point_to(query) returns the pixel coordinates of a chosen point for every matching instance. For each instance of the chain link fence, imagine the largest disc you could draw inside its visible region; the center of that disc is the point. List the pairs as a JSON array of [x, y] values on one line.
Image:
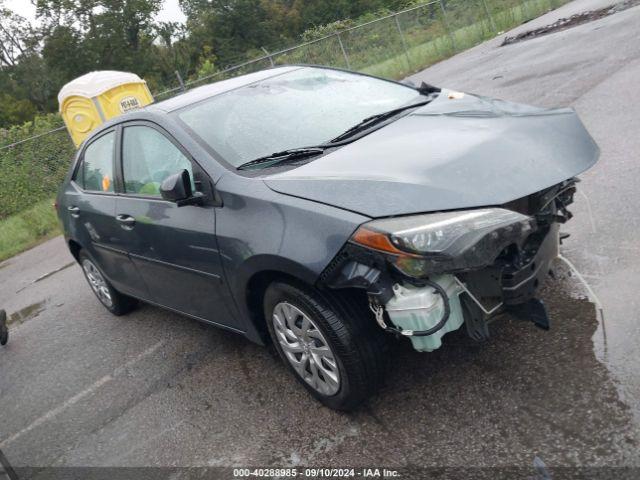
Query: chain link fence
[[33, 161]]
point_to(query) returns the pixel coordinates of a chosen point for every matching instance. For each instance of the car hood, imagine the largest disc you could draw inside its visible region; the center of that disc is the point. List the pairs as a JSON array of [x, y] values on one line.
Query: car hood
[[459, 151]]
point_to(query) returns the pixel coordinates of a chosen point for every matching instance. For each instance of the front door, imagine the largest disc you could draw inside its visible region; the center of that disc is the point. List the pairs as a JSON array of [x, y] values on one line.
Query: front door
[[174, 248]]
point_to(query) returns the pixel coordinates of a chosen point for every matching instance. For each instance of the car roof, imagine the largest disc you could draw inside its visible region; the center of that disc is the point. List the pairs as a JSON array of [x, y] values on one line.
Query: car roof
[[206, 91]]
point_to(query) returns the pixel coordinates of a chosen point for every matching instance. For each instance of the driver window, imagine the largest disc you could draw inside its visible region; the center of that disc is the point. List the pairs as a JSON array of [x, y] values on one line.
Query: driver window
[[148, 157]]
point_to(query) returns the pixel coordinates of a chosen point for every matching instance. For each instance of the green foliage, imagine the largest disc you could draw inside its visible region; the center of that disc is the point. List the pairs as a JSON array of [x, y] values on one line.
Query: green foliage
[[13, 111], [33, 170], [206, 69], [314, 33], [206, 63]]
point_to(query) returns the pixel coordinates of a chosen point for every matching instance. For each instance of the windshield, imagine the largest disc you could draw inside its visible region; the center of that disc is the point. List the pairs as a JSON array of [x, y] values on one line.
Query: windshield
[[302, 108]]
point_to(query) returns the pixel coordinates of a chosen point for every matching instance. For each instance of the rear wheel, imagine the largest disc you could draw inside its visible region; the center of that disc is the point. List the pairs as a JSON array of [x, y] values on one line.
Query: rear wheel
[[114, 301], [333, 349]]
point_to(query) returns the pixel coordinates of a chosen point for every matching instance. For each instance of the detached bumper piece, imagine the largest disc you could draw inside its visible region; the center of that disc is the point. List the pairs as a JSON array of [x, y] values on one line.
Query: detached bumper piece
[[534, 311], [475, 320]]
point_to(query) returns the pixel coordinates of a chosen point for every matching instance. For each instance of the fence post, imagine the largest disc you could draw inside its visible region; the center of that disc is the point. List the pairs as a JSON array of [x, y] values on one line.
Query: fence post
[[491, 22], [180, 81], [446, 25], [344, 52], [404, 44], [268, 55]]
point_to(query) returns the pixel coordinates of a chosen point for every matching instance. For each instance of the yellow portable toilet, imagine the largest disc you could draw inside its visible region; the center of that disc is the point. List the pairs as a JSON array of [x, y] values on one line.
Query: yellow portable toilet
[[96, 97]]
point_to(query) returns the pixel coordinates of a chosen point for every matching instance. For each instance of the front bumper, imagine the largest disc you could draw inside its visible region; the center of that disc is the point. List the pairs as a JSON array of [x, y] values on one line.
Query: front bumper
[[510, 281], [502, 270], [506, 281]]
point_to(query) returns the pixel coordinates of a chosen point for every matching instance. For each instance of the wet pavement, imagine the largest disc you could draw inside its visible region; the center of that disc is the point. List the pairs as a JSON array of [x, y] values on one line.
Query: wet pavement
[[595, 68], [572, 21], [79, 387]]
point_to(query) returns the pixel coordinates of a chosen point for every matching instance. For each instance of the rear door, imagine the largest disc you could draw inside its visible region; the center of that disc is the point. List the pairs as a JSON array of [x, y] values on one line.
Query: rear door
[[174, 248], [91, 204]]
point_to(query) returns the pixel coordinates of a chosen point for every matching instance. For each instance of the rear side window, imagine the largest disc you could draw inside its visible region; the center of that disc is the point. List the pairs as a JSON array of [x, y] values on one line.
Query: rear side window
[[96, 171], [148, 158]]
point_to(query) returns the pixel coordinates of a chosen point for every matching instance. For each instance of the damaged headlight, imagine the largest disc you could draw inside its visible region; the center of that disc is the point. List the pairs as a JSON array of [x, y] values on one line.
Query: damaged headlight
[[431, 243]]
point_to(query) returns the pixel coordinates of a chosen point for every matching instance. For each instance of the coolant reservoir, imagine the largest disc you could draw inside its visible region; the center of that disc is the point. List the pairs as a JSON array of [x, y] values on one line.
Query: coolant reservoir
[[420, 308], [96, 97]]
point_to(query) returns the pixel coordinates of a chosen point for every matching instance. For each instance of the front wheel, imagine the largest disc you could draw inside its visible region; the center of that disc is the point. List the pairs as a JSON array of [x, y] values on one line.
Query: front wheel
[[114, 301], [333, 349]]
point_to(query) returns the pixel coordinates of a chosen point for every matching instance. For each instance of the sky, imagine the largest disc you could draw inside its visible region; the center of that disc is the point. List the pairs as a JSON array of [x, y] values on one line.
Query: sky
[[170, 12]]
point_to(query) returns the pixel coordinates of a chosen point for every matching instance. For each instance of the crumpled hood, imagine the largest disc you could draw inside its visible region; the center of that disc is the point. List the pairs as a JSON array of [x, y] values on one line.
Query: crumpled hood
[[453, 153]]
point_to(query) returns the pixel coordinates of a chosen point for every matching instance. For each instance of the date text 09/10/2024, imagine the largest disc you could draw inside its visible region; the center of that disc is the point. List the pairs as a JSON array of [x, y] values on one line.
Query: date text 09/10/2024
[[316, 472]]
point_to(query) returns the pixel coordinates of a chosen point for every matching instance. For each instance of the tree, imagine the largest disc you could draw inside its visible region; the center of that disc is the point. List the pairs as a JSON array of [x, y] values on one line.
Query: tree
[[172, 51], [14, 111], [231, 26], [16, 37], [114, 33], [74, 37], [235, 27], [36, 83], [64, 54]]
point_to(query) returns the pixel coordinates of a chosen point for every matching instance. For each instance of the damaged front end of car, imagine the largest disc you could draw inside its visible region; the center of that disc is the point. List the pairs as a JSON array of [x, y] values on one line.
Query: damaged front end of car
[[428, 274]]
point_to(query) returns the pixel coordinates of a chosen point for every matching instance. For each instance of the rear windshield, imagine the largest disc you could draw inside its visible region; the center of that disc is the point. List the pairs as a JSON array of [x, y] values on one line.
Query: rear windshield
[[302, 108]]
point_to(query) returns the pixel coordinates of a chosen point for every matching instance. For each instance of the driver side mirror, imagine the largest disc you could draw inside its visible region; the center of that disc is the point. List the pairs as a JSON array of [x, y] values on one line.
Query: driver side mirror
[[177, 188]]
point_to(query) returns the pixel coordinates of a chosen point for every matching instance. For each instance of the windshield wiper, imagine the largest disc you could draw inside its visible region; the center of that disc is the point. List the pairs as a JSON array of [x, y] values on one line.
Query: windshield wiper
[[377, 118], [284, 156], [298, 153]]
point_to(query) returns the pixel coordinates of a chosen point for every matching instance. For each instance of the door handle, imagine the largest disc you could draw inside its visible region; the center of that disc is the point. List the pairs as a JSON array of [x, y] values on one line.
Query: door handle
[[126, 221], [74, 211]]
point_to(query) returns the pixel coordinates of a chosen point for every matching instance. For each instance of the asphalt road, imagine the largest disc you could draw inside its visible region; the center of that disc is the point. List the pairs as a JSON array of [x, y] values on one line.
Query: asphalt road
[[79, 387]]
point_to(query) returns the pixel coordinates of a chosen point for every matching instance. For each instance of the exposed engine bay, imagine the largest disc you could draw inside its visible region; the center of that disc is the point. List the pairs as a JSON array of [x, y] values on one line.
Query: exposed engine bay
[[427, 275]]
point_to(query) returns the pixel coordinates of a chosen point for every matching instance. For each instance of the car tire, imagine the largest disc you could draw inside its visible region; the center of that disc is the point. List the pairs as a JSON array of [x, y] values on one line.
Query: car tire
[[350, 368], [114, 301]]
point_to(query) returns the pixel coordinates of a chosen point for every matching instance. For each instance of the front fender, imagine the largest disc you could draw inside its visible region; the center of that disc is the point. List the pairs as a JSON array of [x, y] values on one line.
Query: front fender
[[259, 230], [276, 264]]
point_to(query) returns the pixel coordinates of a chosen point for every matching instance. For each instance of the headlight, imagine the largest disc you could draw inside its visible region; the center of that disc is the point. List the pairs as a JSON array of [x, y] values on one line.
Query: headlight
[[453, 238]]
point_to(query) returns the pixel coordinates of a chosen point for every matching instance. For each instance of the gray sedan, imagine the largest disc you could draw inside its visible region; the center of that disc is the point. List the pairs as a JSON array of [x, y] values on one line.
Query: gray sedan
[[326, 211]]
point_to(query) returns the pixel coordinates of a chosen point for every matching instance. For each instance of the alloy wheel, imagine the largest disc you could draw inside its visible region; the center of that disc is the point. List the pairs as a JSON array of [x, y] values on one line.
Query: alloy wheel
[[306, 349], [97, 282]]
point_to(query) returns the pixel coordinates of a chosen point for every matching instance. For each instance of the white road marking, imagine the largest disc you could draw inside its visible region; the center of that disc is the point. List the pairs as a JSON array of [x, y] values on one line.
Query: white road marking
[[79, 396]]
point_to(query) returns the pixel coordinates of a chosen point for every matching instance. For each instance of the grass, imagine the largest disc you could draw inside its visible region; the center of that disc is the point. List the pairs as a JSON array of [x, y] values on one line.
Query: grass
[[420, 55], [27, 229]]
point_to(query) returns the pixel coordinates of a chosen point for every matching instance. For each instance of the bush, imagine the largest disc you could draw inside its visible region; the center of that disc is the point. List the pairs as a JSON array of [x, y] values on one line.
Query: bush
[[33, 170]]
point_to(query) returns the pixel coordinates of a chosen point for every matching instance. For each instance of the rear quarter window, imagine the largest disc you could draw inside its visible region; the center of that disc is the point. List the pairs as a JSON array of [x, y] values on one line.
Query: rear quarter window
[[95, 173]]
